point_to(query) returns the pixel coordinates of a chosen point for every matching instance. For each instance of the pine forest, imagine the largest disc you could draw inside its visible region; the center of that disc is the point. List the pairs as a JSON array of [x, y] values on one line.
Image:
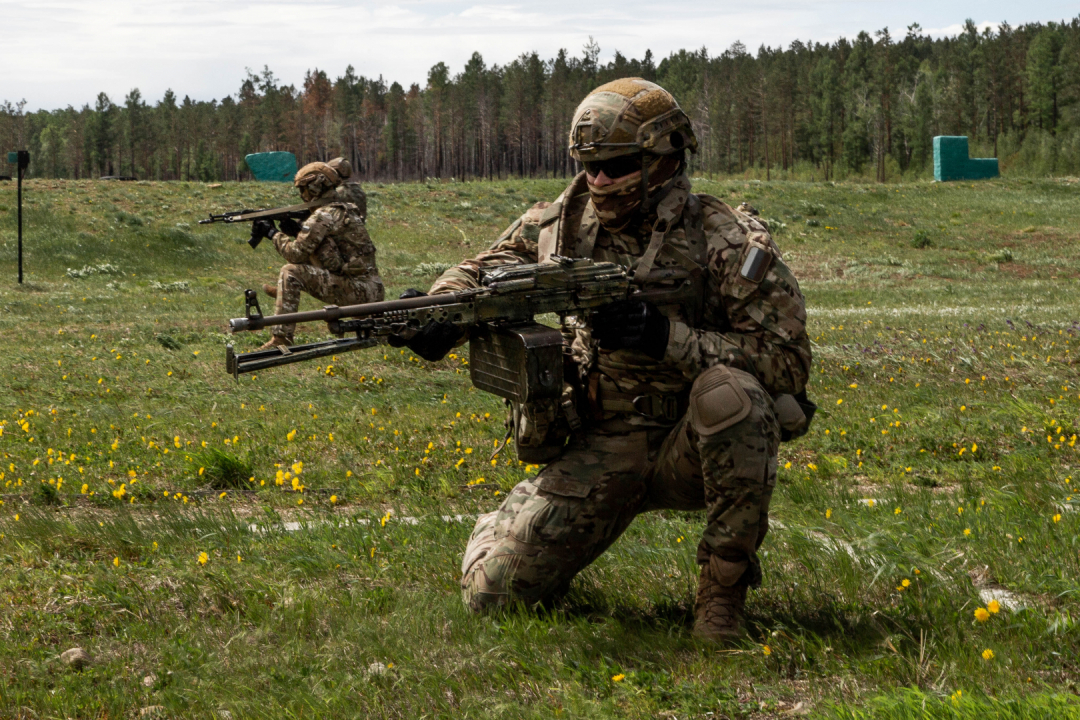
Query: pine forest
[[866, 108]]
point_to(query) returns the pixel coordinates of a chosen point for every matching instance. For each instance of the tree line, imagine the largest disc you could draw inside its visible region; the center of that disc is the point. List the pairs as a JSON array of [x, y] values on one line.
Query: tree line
[[864, 108]]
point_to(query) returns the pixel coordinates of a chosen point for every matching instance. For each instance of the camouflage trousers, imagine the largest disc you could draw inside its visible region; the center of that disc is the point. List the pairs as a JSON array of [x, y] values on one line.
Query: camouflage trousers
[[552, 526], [322, 285]]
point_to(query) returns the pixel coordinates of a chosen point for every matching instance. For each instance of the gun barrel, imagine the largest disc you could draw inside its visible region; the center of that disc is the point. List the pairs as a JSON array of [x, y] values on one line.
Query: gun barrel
[[332, 313]]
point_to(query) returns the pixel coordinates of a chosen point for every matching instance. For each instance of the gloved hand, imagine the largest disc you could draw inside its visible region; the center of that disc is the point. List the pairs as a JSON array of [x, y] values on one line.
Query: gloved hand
[[290, 227], [632, 325], [261, 229], [431, 342]]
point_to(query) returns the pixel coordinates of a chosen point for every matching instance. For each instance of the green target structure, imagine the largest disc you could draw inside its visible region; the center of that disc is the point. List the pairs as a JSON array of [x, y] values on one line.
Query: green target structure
[[272, 166], [952, 162]]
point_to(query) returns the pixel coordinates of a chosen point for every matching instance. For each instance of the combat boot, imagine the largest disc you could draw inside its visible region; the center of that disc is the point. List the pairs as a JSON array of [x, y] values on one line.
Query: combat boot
[[270, 290], [718, 611], [276, 341]]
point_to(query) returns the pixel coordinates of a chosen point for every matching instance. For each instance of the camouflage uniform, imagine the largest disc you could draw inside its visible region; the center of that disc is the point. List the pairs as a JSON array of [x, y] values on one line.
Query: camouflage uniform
[[552, 526], [332, 258], [746, 337]]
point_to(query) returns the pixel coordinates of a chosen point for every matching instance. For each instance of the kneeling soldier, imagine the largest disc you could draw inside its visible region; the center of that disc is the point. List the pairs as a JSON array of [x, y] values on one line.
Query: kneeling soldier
[[330, 257], [679, 407]]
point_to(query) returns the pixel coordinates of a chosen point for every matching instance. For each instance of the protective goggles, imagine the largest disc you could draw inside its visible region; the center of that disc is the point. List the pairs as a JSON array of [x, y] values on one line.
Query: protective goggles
[[614, 168]]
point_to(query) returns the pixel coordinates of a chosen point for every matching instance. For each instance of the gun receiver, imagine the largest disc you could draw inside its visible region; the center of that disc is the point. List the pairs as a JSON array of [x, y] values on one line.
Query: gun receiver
[[509, 298]]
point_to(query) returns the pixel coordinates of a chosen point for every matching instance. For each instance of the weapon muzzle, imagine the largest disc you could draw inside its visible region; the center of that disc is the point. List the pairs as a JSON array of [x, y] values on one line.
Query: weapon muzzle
[[239, 325]]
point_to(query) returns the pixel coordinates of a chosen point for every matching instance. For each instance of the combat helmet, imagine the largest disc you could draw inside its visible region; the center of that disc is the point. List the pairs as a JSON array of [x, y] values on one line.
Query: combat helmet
[[315, 179], [629, 116]]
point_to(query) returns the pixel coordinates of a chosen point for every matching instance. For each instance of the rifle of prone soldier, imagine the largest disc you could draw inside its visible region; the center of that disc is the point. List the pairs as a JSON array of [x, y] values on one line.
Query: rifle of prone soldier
[[510, 295]]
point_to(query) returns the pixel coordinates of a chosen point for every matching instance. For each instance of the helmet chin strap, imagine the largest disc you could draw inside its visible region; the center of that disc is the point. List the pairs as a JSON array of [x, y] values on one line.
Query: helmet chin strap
[[648, 204], [644, 181]]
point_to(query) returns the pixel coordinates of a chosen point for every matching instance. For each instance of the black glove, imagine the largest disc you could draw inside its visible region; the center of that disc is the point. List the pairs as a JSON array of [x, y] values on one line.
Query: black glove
[[261, 229], [290, 227], [632, 325], [430, 342]]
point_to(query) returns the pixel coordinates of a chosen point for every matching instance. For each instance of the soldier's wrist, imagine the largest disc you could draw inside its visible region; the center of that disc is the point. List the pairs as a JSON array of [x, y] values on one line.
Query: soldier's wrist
[[679, 335]]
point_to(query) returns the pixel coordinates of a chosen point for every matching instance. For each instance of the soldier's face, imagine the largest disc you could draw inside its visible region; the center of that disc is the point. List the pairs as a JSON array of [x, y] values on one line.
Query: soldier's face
[[603, 173]]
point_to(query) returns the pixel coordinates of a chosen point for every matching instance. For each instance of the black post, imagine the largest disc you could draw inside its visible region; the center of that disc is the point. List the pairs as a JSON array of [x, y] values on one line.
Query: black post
[[21, 159], [19, 193]]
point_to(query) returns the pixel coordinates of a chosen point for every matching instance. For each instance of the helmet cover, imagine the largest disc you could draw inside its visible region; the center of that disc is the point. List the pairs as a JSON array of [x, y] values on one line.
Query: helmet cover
[[626, 116]]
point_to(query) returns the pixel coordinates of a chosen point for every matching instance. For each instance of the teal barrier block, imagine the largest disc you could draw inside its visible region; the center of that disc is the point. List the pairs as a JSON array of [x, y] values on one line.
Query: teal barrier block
[[982, 168], [951, 161], [272, 166]]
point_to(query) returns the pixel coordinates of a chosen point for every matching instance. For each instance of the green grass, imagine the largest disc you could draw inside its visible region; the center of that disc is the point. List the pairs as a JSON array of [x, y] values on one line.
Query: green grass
[[943, 318]]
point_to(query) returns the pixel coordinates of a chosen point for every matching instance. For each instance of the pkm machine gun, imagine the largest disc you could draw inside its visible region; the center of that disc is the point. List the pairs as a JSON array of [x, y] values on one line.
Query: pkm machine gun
[[511, 355]]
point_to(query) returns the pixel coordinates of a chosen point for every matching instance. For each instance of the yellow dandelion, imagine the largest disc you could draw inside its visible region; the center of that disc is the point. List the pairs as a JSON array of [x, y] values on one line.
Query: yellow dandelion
[[766, 650], [993, 606], [967, 531], [618, 678], [981, 614], [116, 561], [828, 513], [987, 654], [203, 558]]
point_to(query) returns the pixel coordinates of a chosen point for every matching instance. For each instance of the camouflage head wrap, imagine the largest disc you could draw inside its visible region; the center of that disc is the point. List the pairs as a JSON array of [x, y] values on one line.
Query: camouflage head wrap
[[629, 116], [316, 178], [617, 203]]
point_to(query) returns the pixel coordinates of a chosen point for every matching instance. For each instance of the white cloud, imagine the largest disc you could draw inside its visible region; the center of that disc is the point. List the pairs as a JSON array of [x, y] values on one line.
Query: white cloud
[[957, 28]]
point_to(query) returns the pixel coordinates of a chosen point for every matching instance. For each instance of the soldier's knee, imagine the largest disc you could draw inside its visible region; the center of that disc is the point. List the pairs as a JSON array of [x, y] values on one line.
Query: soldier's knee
[[482, 587], [721, 398]]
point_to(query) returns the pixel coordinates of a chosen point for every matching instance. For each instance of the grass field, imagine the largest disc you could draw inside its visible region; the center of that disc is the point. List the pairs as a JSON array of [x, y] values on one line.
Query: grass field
[[924, 560]]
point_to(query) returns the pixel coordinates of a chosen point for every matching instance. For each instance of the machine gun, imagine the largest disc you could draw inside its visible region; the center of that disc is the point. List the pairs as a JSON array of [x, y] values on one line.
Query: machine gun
[[511, 355], [294, 212]]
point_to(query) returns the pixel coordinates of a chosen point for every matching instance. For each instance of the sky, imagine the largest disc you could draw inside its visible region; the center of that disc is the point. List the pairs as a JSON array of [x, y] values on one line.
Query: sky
[[55, 53]]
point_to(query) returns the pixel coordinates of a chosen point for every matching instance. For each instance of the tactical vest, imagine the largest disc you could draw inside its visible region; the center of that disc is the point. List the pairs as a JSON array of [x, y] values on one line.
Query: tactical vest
[[352, 243], [569, 227]]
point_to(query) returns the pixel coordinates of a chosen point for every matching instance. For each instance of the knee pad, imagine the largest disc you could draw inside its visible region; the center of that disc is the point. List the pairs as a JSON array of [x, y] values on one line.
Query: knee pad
[[717, 401], [480, 542]]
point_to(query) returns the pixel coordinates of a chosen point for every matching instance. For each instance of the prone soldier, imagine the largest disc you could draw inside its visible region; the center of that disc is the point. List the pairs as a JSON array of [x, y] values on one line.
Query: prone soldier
[[330, 256], [680, 406]]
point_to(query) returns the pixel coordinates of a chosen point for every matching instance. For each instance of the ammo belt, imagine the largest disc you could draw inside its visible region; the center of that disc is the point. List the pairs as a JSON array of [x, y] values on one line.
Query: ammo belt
[[668, 407]]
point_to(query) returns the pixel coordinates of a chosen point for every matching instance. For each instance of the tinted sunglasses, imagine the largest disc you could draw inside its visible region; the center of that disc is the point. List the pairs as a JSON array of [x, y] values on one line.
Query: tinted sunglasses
[[614, 168]]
